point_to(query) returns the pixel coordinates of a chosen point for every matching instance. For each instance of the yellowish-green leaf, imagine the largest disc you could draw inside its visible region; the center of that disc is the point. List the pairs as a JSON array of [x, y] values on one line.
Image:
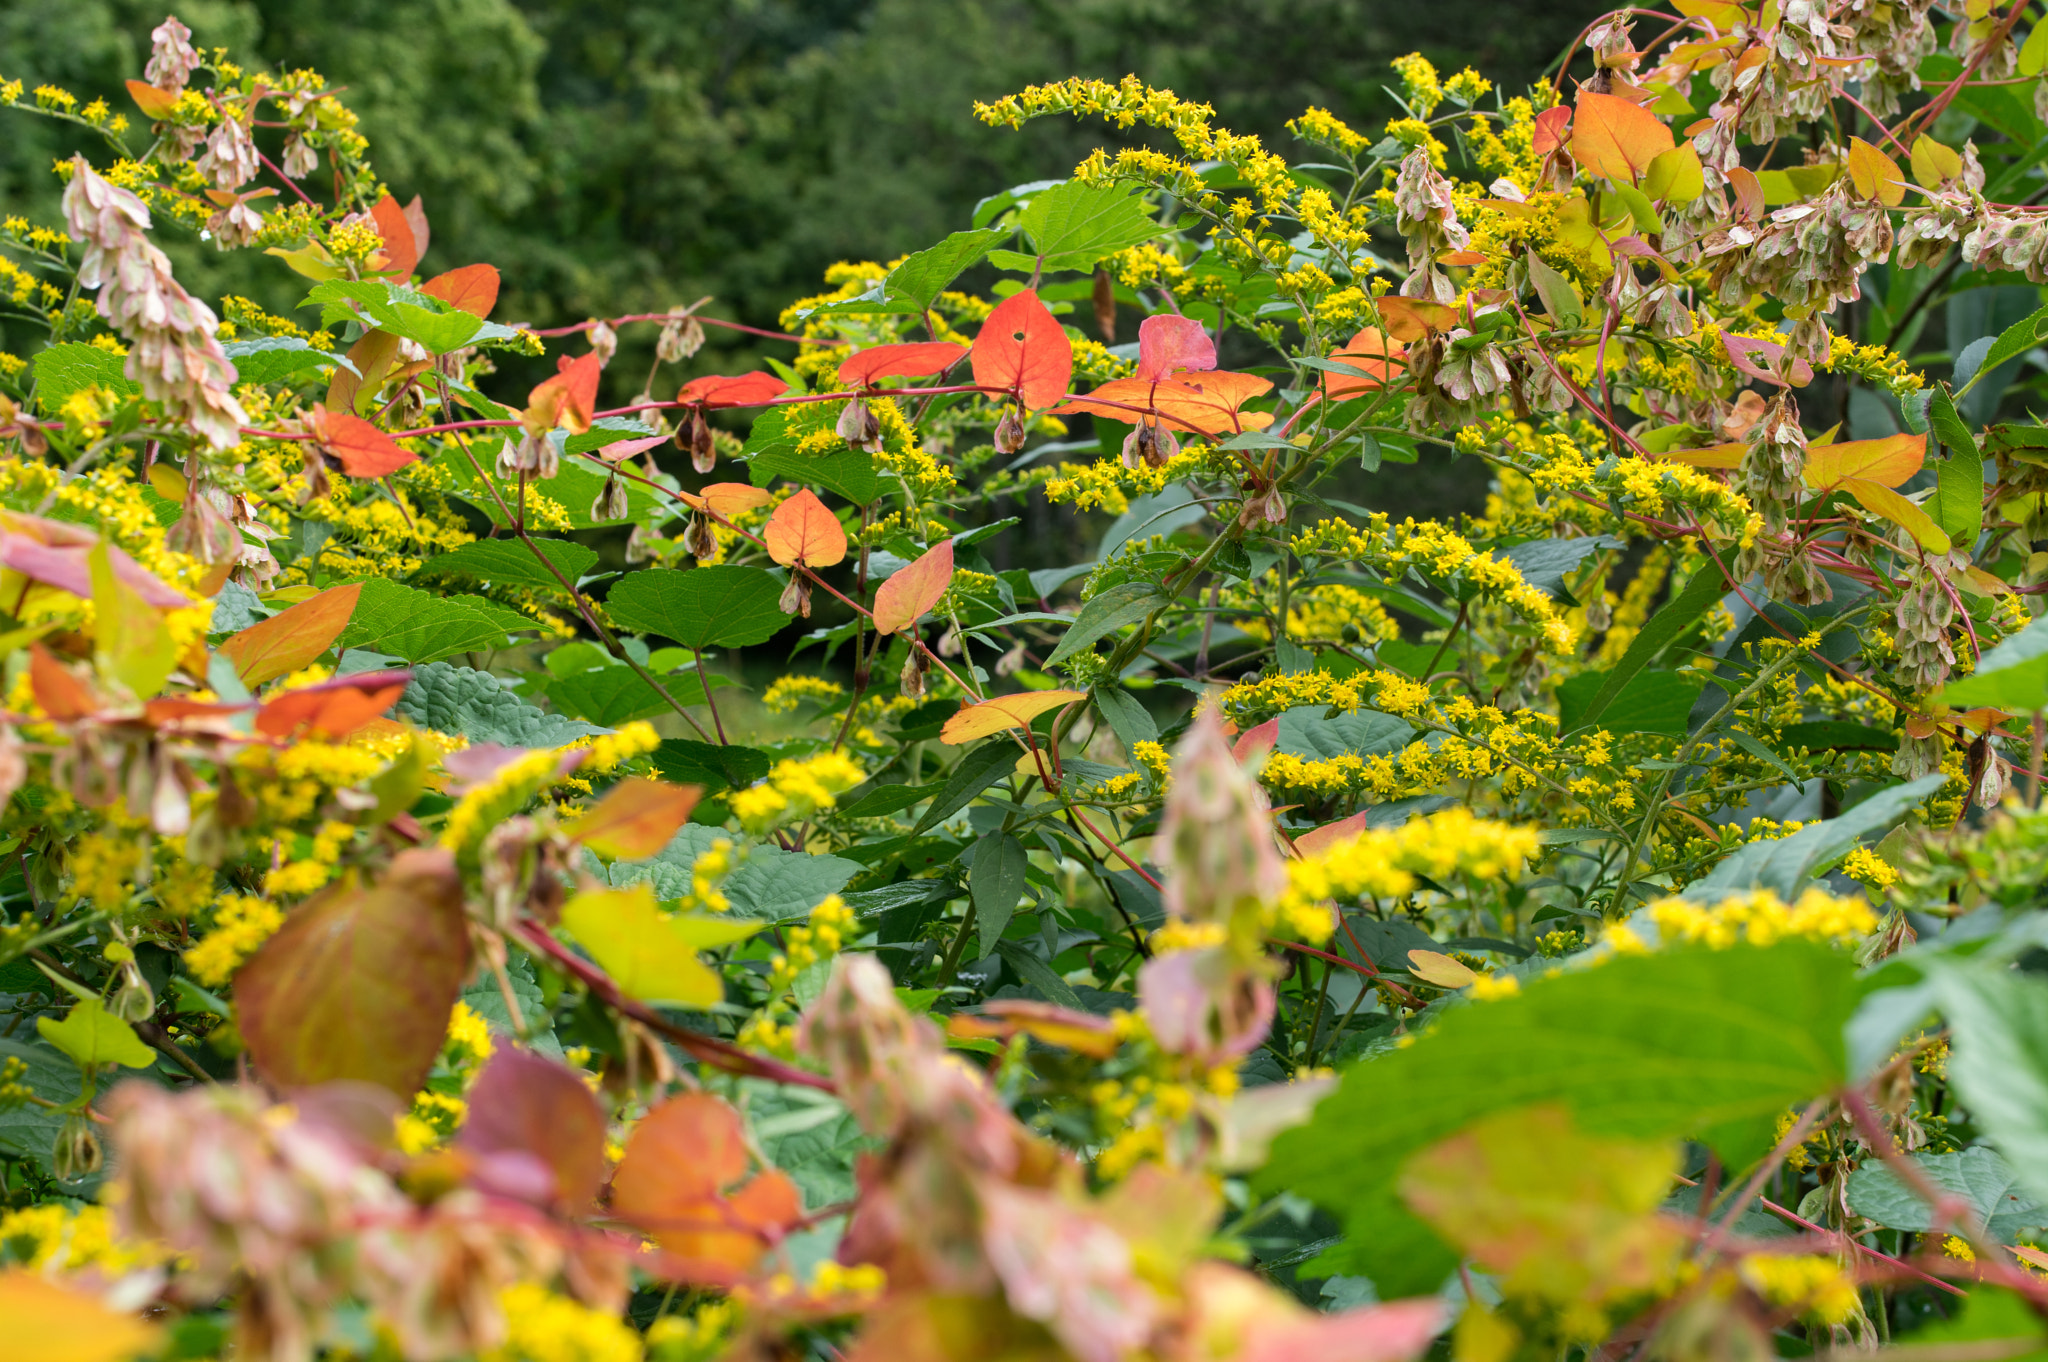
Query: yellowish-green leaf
[[649, 956], [1874, 175], [1676, 176], [169, 483], [130, 635], [52, 1322], [92, 1036], [1934, 164], [1882, 501], [1434, 967], [2034, 52], [1576, 229]]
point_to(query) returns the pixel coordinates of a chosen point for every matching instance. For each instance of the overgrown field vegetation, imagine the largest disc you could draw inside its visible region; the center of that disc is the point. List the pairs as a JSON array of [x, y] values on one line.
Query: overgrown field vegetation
[[1604, 928]]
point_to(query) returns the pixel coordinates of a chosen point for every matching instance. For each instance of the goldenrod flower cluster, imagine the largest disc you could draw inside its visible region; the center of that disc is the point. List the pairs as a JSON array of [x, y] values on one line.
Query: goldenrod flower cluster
[[1819, 1287], [785, 693], [795, 789], [1758, 917], [241, 923], [1384, 864], [56, 1238], [542, 1326]]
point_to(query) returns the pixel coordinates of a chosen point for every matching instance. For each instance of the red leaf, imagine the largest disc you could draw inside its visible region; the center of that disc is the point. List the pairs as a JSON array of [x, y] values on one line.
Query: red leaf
[[58, 692], [744, 390], [362, 450], [919, 359], [472, 289], [1256, 740], [636, 818], [1169, 343], [1551, 126], [154, 103], [1023, 350], [524, 1105], [569, 399], [292, 639], [1744, 351], [401, 251], [416, 218], [620, 450], [332, 709], [358, 983], [915, 589], [802, 531], [1617, 138]]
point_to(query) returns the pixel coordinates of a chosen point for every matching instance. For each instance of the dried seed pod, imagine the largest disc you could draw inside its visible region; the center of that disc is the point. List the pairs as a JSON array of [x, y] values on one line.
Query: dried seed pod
[[915, 668], [1009, 436], [611, 503], [796, 597]]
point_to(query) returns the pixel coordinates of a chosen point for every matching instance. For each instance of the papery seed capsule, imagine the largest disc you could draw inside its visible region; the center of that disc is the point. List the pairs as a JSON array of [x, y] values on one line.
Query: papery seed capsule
[[915, 668], [611, 503], [604, 342], [78, 1152], [700, 541], [796, 597], [1009, 436]]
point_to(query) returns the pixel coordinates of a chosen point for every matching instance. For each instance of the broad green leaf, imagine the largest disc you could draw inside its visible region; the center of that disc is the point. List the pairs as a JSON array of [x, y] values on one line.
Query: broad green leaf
[[1127, 718], [29, 1131], [1038, 976], [616, 694], [725, 606], [1125, 603], [2034, 51], [771, 884], [714, 767], [419, 626], [649, 956], [771, 455], [1304, 732], [1977, 1175], [1708, 1044], [358, 983], [509, 562], [2012, 676], [2015, 340], [607, 430], [996, 882], [279, 359], [1785, 865], [404, 312], [62, 370], [922, 277], [1998, 1065], [1650, 702], [478, 706], [1073, 225], [1958, 501], [1545, 563], [92, 1036], [1685, 608], [1560, 295]]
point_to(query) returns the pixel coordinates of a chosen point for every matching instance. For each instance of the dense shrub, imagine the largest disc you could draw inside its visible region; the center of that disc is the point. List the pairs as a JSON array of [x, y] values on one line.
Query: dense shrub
[[1605, 926]]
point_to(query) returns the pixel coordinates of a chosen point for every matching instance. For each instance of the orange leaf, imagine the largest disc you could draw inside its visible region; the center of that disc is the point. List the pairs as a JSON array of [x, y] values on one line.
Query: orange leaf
[[154, 103], [1874, 175], [914, 590], [401, 250], [803, 531], [672, 1178], [1714, 456], [1207, 404], [1330, 834], [1168, 343], [1022, 349], [636, 818], [58, 692], [1616, 138], [1083, 1032], [919, 359], [569, 399], [1379, 355], [1551, 126], [1409, 319], [1005, 711], [362, 450], [472, 289], [727, 499], [52, 1322], [1887, 462], [335, 708], [744, 390], [292, 639]]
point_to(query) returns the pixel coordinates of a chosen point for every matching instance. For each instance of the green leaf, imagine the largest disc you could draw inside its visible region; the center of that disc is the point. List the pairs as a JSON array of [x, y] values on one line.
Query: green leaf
[[1837, 735], [419, 626], [2034, 52], [1999, 1062], [1987, 1313], [478, 706], [1125, 603], [980, 768], [1785, 865], [1753, 745], [279, 359], [996, 882], [1073, 225], [29, 1131], [404, 312], [1037, 975], [1651, 702], [922, 277], [2015, 340], [1304, 732], [616, 694], [509, 562], [1709, 1044], [607, 430], [1545, 563], [1127, 718], [1560, 295], [1684, 610], [2013, 676], [92, 1036], [682, 761], [1976, 1175], [724, 606], [770, 883], [848, 471], [65, 369], [1958, 500], [484, 998]]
